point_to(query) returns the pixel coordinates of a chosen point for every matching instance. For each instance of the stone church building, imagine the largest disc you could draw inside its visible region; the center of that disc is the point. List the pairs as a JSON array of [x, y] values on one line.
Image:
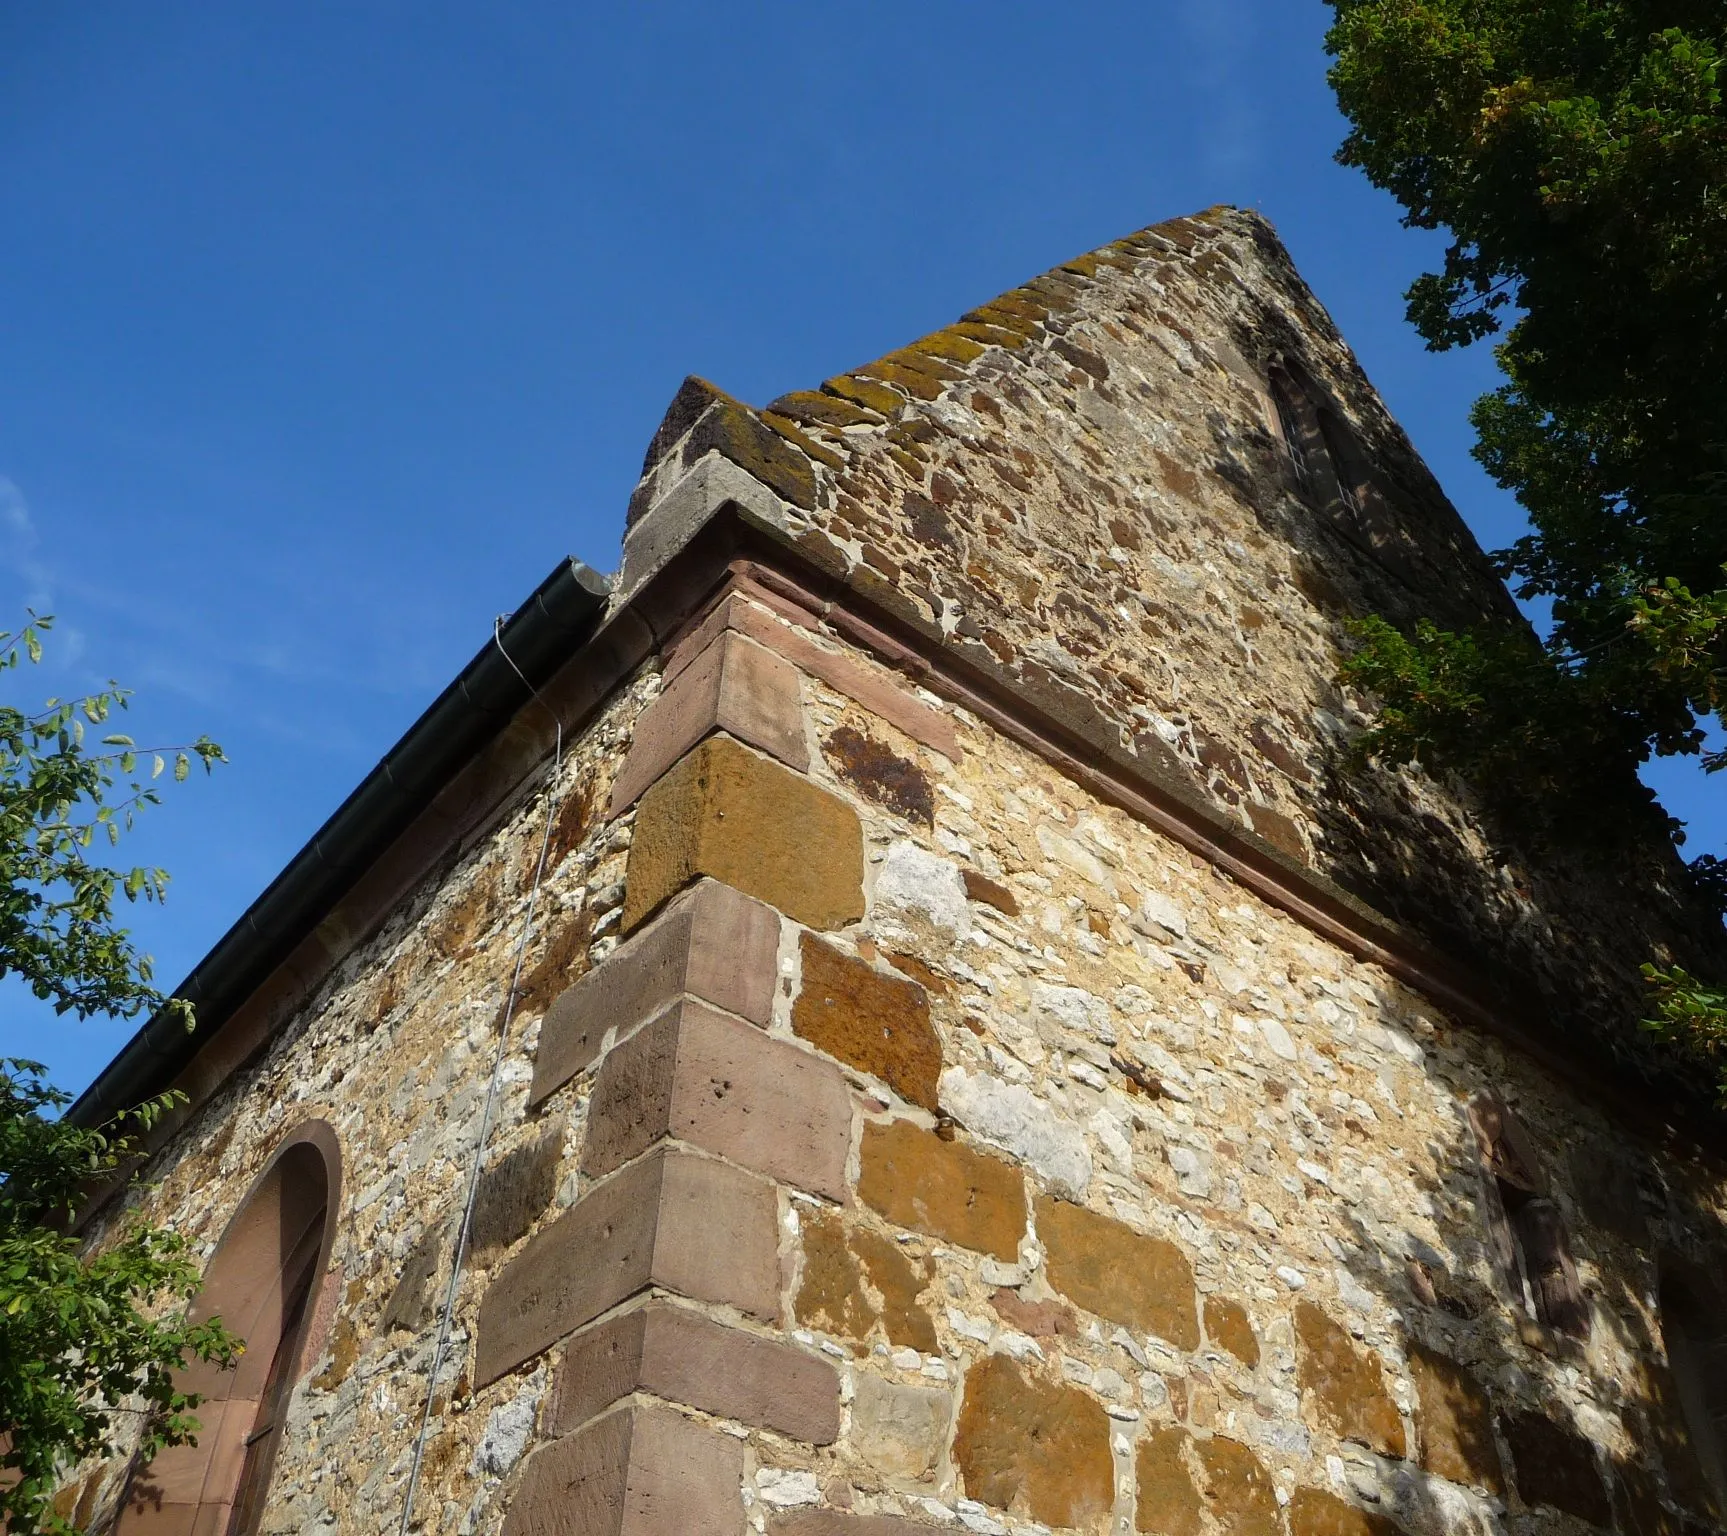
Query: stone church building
[[898, 1012]]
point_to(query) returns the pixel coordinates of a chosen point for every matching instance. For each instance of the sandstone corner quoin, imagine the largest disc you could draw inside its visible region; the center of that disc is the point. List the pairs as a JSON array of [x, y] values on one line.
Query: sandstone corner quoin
[[986, 1059]]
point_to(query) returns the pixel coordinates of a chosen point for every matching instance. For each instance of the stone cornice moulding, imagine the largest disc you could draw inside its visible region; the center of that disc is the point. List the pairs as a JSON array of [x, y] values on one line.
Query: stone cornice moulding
[[730, 549]]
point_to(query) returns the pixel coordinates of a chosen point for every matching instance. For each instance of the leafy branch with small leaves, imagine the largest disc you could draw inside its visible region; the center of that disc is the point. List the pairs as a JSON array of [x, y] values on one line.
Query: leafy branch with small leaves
[[57, 928], [90, 1343], [1574, 153], [91, 1337], [1690, 1016]]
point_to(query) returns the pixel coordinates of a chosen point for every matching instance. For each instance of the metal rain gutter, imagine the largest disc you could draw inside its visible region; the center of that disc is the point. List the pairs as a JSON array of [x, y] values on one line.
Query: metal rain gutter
[[540, 636]]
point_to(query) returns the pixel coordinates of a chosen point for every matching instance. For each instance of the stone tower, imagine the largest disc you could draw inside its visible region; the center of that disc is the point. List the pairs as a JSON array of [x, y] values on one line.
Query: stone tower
[[914, 1023]]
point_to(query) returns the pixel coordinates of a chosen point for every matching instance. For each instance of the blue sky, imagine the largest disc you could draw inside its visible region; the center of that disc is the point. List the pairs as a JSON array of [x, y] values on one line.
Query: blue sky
[[329, 328]]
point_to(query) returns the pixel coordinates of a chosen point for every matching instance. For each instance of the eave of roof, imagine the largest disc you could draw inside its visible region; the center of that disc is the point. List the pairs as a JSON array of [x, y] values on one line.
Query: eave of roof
[[557, 617]]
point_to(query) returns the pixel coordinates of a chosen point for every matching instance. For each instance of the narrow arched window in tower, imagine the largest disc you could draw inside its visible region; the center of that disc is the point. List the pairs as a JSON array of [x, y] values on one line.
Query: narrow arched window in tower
[[1694, 1329], [1524, 1227], [262, 1281], [1347, 465], [1292, 411]]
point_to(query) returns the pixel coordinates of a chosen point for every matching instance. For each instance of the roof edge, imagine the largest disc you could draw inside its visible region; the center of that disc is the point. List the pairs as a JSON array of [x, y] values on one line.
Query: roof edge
[[559, 615]]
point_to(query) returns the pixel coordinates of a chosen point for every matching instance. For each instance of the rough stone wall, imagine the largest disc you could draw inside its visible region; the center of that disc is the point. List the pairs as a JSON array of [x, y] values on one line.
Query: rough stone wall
[[394, 1051], [995, 1166], [896, 1136], [1085, 481]]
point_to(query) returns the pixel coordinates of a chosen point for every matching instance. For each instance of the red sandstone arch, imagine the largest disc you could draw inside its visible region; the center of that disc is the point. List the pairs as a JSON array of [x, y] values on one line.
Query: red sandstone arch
[[262, 1281]]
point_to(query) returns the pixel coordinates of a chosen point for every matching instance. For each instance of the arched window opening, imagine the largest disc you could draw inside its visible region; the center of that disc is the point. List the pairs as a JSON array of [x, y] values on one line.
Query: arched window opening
[[1354, 481], [1695, 1333], [262, 1281], [1292, 412], [1524, 1228]]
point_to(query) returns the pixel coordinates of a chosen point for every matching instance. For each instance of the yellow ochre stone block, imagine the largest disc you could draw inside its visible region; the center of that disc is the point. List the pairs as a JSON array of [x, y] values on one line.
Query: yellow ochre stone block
[[726, 812]]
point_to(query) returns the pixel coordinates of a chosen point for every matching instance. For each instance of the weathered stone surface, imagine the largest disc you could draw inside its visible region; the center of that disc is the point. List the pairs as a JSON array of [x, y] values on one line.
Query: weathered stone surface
[[640, 1471], [881, 774], [410, 1301], [1109, 1269], [1342, 1387], [840, 670], [673, 1219], [724, 1086], [870, 1020], [734, 431], [735, 686], [918, 1180], [1455, 1422], [900, 1431], [1637, 1505], [1314, 1512], [922, 888], [899, 1282], [1168, 1500], [680, 1355], [865, 392], [1011, 1116], [1236, 1487], [817, 409], [832, 1294], [746, 820], [1180, 1476], [1553, 1464], [1228, 1326], [1668, 1433], [979, 887], [712, 942], [1034, 1447], [1035, 1319], [514, 1192]]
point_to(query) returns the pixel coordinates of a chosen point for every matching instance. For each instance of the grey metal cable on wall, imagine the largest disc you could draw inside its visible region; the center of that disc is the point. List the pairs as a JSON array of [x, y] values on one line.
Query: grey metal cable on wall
[[447, 1312]]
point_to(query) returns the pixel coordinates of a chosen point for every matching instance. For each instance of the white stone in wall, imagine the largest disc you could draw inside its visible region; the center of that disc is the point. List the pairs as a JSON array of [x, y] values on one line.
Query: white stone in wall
[[1069, 1008], [915, 882], [508, 1429], [1016, 1120], [1276, 1036], [899, 1430], [1160, 911], [1076, 857], [1192, 1171], [787, 1490], [1114, 1142]]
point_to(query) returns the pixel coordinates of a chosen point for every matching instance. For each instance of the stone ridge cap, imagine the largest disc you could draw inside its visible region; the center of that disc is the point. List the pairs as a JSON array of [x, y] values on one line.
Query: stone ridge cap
[[788, 443]]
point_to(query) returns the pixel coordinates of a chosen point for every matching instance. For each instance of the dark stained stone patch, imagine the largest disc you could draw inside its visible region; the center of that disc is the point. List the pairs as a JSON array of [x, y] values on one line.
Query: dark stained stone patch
[[1555, 1465], [514, 1191], [881, 774]]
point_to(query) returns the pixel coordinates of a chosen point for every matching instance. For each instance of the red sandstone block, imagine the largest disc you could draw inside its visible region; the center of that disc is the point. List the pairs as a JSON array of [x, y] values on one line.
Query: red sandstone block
[[676, 1220], [712, 942], [724, 1086], [687, 1358], [642, 1471], [844, 675], [734, 686]]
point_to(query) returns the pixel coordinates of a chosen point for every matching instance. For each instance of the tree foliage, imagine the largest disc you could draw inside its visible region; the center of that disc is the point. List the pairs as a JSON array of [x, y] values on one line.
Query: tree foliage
[[1576, 153], [89, 1341], [1690, 1016]]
